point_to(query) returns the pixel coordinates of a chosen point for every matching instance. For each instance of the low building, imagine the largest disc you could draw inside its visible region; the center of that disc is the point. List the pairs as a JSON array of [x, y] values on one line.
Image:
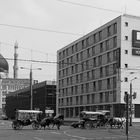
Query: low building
[[44, 97], [8, 85]]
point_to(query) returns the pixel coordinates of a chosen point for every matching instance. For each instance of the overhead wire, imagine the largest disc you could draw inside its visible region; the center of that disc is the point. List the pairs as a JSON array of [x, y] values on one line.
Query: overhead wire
[[38, 29], [90, 6], [53, 62]]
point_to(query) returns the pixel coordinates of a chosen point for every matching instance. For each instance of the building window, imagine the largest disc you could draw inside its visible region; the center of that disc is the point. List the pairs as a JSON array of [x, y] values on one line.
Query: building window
[[101, 97], [93, 50], [70, 100], [107, 45], [100, 84], [125, 79], [115, 42], [109, 30], [77, 57], [88, 99], [72, 90], [126, 51], [108, 84], [101, 47], [82, 88], [93, 74], [101, 72], [100, 60], [114, 68], [88, 53], [83, 44], [100, 35], [126, 37], [76, 100], [126, 24], [81, 77], [76, 89], [115, 28], [76, 68], [107, 70], [72, 49], [94, 62], [72, 69], [108, 57], [114, 82], [93, 98], [106, 96], [87, 64], [67, 52], [76, 48], [67, 101], [88, 75], [81, 55], [77, 78], [94, 86], [114, 96], [126, 65], [81, 100], [87, 87], [62, 102]]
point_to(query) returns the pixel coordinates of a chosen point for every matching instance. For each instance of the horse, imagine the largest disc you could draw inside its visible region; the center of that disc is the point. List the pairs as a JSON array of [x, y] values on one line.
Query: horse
[[57, 120], [116, 122], [46, 122]]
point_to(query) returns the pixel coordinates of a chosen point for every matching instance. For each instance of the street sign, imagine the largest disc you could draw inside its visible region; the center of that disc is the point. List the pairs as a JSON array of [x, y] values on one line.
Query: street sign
[[49, 111], [134, 95], [125, 96]]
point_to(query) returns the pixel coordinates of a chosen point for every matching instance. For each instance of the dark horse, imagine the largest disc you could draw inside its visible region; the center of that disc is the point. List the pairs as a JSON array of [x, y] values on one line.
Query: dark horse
[[57, 120]]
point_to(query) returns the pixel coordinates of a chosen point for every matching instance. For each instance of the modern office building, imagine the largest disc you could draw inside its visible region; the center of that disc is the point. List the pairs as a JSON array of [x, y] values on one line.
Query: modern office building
[[43, 98], [95, 71]]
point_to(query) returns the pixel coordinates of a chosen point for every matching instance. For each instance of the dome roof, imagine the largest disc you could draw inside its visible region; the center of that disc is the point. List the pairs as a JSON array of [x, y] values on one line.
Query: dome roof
[[3, 64]]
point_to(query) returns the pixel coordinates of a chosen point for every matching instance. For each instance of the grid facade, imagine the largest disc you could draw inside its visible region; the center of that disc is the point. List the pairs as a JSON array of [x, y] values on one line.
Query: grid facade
[[87, 72]]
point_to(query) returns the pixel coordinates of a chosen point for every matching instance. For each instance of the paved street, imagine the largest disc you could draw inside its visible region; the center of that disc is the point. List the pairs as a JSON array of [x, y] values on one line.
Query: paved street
[[66, 133]]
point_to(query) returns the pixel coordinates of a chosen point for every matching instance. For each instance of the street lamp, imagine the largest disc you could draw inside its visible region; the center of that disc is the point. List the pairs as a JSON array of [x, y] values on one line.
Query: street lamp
[[31, 84], [131, 100]]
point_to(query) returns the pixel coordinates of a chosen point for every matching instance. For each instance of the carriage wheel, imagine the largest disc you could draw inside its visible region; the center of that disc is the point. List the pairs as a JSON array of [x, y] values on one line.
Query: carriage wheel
[[88, 125], [35, 125]]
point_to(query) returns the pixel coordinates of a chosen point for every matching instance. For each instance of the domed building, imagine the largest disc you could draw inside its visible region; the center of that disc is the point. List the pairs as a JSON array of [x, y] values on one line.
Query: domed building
[[4, 67]]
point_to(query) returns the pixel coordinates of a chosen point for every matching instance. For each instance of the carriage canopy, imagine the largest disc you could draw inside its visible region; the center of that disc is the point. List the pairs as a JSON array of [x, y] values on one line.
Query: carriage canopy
[[27, 114]]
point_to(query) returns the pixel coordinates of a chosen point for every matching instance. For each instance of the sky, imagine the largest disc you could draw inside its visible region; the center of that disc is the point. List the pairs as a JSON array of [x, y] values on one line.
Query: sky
[[41, 27]]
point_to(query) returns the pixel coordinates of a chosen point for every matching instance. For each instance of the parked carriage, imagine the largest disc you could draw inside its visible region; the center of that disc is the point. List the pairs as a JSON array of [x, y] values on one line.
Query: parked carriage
[[91, 119], [25, 118]]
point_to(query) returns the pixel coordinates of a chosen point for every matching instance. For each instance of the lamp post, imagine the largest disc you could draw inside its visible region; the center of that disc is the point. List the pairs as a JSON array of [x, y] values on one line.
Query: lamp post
[[131, 100], [31, 84]]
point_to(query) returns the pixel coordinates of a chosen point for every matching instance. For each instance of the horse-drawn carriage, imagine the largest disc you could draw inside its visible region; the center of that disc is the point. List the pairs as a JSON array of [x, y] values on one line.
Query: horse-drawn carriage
[[91, 119], [34, 118], [100, 118], [25, 118]]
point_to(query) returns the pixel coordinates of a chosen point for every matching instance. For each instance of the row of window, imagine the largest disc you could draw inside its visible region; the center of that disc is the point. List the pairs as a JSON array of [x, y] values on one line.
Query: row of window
[[90, 52], [106, 84], [13, 87], [103, 97], [94, 38], [93, 74], [90, 64]]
